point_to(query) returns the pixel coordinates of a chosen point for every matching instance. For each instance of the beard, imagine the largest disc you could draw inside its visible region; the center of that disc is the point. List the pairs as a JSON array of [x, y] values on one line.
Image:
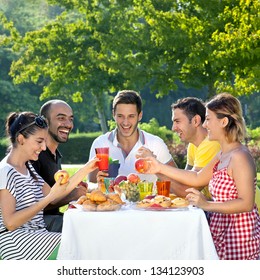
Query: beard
[[57, 138]]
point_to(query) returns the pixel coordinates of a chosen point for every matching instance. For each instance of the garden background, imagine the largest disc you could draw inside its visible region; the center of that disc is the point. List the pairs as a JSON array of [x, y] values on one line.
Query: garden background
[[85, 51]]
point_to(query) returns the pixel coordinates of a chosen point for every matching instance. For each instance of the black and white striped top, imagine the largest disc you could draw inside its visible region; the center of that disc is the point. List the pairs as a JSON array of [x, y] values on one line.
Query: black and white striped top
[[30, 241]]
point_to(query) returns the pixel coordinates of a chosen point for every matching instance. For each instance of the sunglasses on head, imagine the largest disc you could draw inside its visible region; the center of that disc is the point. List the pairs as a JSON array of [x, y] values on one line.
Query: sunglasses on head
[[39, 121]]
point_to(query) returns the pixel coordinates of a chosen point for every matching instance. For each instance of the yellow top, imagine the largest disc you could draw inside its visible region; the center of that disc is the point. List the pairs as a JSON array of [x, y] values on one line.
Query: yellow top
[[200, 156]]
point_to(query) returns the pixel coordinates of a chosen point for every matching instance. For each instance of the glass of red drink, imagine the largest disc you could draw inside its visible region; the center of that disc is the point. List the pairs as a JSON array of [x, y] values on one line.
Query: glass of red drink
[[103, 155]]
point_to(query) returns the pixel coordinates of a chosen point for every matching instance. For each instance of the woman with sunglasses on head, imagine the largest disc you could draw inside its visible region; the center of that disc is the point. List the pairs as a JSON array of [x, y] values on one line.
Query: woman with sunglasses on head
[[234, 220], [24, 194]]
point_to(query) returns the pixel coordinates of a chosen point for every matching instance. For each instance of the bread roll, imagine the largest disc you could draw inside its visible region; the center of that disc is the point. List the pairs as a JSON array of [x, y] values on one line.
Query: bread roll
[[89, 205], [179, 202], [108, 205]]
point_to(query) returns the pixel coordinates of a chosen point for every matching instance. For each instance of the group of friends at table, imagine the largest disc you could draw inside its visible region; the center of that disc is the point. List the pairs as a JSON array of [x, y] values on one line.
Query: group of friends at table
[[219, 177]]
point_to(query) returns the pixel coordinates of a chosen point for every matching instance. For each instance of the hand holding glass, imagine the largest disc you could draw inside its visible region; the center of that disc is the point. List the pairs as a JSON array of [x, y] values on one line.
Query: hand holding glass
[[103, 155]]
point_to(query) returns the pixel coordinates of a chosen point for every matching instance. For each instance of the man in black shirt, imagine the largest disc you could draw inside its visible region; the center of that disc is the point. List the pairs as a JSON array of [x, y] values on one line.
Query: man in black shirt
[[59, 117]]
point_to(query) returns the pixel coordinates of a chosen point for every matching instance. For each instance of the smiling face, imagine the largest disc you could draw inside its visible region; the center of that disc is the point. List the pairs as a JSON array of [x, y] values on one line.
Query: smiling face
[[214, 126], [60, 121], [182, 125], [126, 118], [34, 144]]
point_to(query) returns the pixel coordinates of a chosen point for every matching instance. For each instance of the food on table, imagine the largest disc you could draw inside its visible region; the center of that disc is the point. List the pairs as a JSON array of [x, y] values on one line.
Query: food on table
[[133, 178], [82, 199], [108, 205], [98, 196], [115, 197], [141, 165], [130, 190], [62, 173], [179, 202], [119, 179], [172, 196], [89, 205], [144, 203], [160, 201], [92, 202]]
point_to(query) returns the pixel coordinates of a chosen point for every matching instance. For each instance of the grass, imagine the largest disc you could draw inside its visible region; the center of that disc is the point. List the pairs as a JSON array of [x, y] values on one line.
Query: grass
[[71, 170]]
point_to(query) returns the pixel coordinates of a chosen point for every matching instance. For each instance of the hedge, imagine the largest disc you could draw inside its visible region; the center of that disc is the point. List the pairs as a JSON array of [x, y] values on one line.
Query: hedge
[[75, 151]]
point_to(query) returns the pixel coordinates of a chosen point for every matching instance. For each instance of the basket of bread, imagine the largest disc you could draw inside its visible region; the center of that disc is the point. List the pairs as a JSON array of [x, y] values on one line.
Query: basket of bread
[[98, 201], [160, 202]]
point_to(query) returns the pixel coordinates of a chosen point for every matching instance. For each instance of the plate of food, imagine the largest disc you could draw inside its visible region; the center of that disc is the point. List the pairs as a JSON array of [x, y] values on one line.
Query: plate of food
[[162, 203], [98, 201]]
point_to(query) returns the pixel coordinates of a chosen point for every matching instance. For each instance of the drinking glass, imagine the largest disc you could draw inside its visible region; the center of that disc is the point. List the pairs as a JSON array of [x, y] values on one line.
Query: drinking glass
[[103, 155], [145, 188], [163, 188]]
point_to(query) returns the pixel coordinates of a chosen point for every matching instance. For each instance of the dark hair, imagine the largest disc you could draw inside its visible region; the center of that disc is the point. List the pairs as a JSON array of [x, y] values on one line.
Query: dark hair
[[46, 107], [191, 106], [25, 123], [128, 97], [226, 105]]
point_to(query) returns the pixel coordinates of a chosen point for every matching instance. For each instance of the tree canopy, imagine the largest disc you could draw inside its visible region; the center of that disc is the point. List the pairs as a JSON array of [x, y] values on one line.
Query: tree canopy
[[94, 48]]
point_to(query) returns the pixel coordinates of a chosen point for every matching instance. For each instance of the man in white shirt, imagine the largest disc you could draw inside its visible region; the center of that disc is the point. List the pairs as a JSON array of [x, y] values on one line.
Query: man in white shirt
[[127, 141]]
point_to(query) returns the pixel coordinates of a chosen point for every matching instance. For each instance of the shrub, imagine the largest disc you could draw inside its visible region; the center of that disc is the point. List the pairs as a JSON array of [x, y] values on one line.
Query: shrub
[[76, 150], [255, 152], [178, 152]]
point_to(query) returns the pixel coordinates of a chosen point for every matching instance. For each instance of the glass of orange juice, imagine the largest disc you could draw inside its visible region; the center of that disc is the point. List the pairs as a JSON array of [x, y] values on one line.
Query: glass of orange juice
[[103, 155], [163, 188]]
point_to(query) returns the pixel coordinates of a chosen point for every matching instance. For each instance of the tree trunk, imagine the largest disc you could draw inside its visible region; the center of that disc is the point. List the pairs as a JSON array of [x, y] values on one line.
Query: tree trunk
[[100, 110]]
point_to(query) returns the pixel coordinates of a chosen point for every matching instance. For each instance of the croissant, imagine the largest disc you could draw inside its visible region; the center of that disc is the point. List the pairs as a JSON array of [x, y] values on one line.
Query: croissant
[[115, 197], [109, 205], [81, 199], [97, 196], [89, 205]]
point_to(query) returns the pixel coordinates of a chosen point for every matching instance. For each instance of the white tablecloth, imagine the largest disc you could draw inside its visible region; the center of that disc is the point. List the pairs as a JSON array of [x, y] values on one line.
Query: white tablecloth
[[136, 235]]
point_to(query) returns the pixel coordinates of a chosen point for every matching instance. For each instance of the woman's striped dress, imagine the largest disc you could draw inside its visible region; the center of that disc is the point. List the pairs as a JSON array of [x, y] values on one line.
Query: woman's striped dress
[[30, 241]]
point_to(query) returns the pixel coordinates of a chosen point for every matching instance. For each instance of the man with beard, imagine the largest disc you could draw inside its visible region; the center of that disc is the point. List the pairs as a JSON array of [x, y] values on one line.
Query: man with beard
[[59, 117], [127, 142]]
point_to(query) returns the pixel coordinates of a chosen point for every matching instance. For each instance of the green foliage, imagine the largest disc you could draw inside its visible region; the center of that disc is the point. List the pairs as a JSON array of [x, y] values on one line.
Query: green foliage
[[84, 51], [76, 150], [254, 134], [153, 127]]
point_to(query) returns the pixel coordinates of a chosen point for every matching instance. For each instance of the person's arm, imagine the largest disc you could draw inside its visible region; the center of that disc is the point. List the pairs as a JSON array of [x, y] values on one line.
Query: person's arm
[[178, 188], [75, 180], [73, 195], [242, 169], [183, 176], [144, 152], [13, 218], [92, 177]]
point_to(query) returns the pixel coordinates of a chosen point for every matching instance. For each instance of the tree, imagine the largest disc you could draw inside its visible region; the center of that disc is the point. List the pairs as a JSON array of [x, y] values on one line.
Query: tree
[[97, 47], [213, 43]]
